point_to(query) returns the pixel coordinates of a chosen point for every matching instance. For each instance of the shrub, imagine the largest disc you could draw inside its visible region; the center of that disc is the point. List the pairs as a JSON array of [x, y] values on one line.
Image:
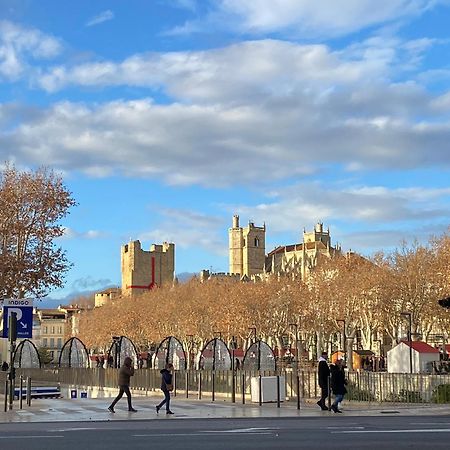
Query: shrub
[[355, 393], [441, 394], [405, 396]]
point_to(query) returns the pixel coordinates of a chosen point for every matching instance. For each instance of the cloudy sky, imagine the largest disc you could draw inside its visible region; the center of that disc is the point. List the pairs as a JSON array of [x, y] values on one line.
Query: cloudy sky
[[167, 117]]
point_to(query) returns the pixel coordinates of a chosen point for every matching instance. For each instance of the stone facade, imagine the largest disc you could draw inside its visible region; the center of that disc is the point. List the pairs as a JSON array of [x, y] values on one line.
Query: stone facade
[[143, 270], [248, 259], [247, 247], [297, 260], [106, 295]]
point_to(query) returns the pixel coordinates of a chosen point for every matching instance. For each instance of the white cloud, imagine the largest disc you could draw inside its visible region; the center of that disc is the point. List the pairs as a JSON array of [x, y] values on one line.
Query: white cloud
[[104, 16], [247, 69], [364, 219], [70, 233], [306, 18], [188, 229], [19, 44]]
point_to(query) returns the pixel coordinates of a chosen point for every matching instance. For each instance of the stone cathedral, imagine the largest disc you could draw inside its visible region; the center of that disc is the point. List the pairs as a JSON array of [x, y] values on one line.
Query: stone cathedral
[[248, 259]]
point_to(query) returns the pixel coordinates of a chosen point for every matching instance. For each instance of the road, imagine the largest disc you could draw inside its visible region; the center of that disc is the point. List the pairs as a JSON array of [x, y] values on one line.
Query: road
[[334, 432]]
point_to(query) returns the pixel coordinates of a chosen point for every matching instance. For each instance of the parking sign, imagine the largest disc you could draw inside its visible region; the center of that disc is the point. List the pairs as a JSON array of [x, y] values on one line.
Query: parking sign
[[24, 309]]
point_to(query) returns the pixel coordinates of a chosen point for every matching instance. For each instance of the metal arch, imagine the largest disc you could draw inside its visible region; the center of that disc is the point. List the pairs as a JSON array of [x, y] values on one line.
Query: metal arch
[[115, 350], [19, 351], [215, 340], [169, 339], [69, 342], [258, 344], [133, 347]]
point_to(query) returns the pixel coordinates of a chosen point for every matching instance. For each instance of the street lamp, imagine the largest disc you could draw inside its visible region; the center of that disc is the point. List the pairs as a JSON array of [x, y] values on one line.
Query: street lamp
[[344, 338], [191, 350], [408, 315], [254, 333], [218, 333], [295, 326]]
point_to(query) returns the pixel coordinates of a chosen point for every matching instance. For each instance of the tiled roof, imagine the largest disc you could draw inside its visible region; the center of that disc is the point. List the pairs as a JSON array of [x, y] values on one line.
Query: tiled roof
[[421, 347]]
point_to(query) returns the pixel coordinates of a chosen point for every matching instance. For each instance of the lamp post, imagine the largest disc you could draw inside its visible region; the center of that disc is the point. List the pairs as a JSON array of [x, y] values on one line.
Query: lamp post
[[191, 350], [295, 326], [408, 315], [344, 339], [254, 333], [218, 333]]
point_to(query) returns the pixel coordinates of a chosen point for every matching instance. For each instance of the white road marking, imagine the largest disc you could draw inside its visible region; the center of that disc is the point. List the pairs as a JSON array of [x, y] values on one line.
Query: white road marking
[[63, 430], [241, 430], [426, 430], [348, 428], [195, 434], [30, 437]]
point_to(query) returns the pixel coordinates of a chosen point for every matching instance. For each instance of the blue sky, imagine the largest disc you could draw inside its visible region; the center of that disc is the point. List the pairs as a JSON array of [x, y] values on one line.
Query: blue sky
[[167, 117]]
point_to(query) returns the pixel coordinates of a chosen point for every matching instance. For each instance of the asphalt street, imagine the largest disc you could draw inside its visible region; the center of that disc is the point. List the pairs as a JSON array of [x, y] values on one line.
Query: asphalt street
[[332, 432]]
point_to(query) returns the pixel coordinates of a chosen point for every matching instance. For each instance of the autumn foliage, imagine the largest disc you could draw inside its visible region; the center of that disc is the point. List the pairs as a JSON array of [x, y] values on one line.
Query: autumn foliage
[[368, 295]]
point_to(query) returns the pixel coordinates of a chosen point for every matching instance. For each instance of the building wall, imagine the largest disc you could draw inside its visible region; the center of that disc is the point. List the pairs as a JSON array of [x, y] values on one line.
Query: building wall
[[52, 333], [236, 246], [398, 360], [247, 248], [298, 260], [142, 270]]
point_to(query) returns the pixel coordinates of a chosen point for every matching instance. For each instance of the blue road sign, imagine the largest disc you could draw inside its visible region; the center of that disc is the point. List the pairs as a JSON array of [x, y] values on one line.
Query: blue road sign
[[24, 309]]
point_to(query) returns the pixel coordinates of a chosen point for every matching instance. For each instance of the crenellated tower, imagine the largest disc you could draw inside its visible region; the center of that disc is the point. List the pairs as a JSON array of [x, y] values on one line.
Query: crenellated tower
[[143, 270]]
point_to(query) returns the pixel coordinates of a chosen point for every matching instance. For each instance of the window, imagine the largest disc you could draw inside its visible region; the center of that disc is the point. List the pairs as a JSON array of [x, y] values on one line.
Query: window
[[59, 330], [52, 342], [59, 344], [256, 242], [45, 330], [53, 330], [44, 342]]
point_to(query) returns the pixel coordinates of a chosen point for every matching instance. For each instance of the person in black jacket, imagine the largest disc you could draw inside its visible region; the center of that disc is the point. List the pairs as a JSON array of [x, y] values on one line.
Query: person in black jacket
[[166, 387], [323, 372], [338, 383]]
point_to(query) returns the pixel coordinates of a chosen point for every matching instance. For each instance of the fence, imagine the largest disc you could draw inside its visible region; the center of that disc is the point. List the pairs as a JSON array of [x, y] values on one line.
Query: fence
[[229, 385]]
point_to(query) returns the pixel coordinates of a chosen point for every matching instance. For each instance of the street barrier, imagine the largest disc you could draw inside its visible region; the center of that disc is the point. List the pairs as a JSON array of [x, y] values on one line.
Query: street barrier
[[362, 386]]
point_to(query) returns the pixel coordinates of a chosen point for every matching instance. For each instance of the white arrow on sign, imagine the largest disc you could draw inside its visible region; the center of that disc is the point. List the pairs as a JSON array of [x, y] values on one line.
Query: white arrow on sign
[[24, 325]]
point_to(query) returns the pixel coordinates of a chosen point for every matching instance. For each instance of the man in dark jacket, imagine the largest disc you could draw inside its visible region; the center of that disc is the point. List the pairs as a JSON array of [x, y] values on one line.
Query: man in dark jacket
[[323, 372], [166, 387], [338, 383], [125, 373]]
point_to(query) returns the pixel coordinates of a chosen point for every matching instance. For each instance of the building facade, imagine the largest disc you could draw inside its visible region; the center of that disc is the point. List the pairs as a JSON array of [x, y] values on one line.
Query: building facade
[[297, 260], [247, 256], [143, 270], [247, 248]]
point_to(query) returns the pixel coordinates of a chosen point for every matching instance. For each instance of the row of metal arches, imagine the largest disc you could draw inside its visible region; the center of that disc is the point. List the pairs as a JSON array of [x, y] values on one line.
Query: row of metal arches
[[214, 356]]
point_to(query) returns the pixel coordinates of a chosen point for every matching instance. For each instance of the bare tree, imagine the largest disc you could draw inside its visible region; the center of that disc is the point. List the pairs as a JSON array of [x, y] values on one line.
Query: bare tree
[[31, 207]]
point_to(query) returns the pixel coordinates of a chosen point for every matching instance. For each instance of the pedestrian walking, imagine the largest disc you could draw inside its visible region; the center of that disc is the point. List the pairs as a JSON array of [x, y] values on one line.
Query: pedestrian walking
[[125, 373], [166, 387], [323, 372], [338, 383]]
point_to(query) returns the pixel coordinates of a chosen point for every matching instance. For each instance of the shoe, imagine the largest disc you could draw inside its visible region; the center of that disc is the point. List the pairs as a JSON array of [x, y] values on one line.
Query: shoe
[[169, 412], [157, 409], [338, 411], [111, 409], [322, 406], [334, 408], [132, 410]]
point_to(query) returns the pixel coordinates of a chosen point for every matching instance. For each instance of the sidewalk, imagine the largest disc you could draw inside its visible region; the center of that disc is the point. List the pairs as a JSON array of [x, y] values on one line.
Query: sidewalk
[[95, 410]]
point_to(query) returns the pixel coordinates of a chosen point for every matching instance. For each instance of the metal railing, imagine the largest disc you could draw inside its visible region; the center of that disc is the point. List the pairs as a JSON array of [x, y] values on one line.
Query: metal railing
[[235, 386]]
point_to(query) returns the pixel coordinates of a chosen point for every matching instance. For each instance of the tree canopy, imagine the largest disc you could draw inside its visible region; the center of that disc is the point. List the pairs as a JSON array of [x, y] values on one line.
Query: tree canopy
[[32, 204]]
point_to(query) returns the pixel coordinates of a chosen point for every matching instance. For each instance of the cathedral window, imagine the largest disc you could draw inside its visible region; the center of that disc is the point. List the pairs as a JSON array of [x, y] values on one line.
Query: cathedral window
[[256, 242]]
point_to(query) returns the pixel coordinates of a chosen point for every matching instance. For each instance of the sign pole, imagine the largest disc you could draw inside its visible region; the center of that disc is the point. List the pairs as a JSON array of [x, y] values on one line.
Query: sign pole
[[12, 335]]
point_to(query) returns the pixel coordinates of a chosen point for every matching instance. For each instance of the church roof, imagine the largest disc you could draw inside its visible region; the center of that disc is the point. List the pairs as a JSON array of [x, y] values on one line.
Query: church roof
[[297, 247]]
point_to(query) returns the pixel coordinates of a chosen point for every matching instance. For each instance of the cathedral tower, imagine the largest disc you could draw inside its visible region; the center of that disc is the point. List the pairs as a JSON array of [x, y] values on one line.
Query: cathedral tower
[[247, 247]]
